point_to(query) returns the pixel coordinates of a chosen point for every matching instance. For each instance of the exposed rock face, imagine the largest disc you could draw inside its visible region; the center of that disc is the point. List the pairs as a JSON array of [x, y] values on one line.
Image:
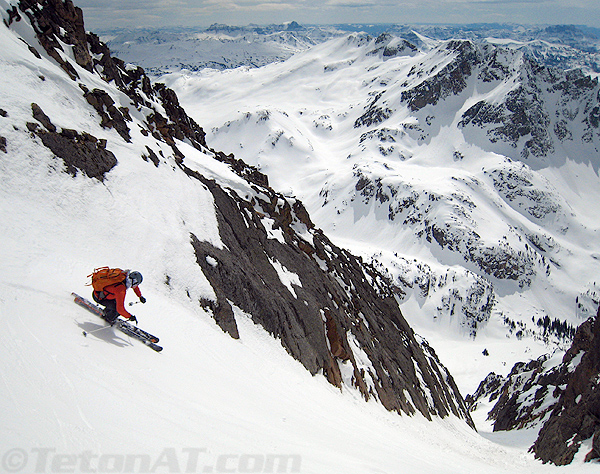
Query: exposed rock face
[[59, 22], [525, 397], [111, 116], [418, 210], [79, 151], [330, 310], [450, 80], [55, 20], [595, 452], [564, 396], [524, 121], [543, 108], [576, 415]]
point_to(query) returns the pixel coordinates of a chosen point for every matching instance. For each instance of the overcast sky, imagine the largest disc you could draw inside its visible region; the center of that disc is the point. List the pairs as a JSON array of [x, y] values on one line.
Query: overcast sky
[[99, 14]]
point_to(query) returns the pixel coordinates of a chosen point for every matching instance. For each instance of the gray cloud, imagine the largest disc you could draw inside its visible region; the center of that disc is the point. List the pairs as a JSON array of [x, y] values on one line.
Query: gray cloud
[[131, 13]]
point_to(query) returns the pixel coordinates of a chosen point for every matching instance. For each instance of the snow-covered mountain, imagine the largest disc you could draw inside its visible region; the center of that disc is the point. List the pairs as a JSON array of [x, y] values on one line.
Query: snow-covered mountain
[[464, 170], [101, 166], [463, 165], [162, 50], [220, 47]]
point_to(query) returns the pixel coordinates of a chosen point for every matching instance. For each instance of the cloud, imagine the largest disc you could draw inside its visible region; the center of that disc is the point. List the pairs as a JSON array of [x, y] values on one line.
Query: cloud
[[155, 13], [250, 5], [352, 3]]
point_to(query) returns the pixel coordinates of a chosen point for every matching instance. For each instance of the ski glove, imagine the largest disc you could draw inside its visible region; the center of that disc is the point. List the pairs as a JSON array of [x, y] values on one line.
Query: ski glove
[[133, 319], [142, 299]]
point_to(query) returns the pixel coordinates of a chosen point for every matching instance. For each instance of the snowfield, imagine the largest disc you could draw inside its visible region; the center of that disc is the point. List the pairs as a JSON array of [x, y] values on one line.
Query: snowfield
[[296, 121], [206, 403]]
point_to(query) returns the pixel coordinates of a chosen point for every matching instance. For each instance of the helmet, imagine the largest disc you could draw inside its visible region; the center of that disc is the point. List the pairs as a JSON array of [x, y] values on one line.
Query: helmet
[[135, 278]]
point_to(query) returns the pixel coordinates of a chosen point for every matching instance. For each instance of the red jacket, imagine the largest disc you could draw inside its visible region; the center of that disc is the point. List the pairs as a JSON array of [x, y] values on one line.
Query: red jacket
[[117, 292]]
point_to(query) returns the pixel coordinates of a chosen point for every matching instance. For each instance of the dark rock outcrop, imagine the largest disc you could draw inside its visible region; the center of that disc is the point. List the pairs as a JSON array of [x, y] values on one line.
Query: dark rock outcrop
[[331, 311], [562, 397], [82, 152], [595, 452], [450, 80], [374, 114], [525, 396], [576, 416], [57, 22], [110, 115], [523, 119]]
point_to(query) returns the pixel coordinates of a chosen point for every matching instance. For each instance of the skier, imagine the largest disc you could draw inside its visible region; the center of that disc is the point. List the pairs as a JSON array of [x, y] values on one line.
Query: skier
[[112, 297]]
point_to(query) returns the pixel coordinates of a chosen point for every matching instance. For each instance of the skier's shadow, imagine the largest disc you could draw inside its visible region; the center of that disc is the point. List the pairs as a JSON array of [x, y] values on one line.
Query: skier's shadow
[[105, 333]]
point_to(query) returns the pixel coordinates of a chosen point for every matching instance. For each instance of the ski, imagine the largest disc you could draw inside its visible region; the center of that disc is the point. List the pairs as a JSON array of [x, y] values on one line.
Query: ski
[[98, 312], [130, 330], [124, 326], [134, 329]]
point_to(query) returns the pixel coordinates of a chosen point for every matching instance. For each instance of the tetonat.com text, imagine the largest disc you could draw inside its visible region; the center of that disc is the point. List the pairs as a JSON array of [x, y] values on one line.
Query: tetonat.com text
[[169, 460]]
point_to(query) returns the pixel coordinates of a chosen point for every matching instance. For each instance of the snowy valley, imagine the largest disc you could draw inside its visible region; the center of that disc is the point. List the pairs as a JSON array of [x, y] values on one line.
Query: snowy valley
[[379, 241], [468, 170], [464, 170]]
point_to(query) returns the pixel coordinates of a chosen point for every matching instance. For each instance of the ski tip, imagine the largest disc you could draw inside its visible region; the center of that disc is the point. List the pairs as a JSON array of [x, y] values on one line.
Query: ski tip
[[153, 346]]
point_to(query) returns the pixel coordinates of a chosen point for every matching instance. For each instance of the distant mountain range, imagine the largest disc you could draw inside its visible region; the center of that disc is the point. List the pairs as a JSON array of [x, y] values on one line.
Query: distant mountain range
[[354, 189], [465, 169], [224, 47]]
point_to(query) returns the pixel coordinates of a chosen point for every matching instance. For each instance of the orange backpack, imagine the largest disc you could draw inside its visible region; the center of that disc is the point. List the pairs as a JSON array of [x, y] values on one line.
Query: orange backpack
[[104, 276]]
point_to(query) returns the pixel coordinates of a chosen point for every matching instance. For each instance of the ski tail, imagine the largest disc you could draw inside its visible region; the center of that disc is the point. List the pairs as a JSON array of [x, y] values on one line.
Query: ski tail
[[81, 301]]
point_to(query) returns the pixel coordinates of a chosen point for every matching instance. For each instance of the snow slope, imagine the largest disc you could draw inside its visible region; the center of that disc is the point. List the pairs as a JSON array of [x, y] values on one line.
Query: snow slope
[[297, 120], [162, 50], [207, 403]]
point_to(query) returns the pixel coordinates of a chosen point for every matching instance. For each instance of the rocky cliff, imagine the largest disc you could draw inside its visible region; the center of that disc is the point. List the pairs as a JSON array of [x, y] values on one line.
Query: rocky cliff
[[332, 312], [576, 416], [560, 395]]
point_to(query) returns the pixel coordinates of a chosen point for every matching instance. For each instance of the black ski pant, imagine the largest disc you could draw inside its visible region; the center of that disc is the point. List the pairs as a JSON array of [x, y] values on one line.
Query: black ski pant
[[110, 307]]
